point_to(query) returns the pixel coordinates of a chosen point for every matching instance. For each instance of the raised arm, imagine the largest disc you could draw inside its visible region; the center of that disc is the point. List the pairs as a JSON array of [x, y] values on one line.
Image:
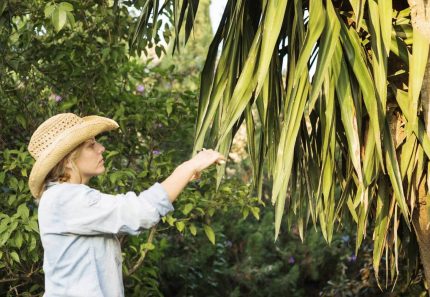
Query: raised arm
[[189, 170]]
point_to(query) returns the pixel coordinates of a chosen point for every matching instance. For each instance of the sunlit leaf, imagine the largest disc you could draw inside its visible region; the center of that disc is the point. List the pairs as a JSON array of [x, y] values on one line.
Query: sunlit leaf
[[209, 233]]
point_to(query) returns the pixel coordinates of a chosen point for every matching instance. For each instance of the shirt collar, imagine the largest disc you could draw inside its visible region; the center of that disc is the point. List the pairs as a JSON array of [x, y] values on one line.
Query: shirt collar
[[50, 184]]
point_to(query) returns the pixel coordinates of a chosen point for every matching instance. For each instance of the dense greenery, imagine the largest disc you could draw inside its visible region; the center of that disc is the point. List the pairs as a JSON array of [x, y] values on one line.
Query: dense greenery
[[246, 262], [75, 56]]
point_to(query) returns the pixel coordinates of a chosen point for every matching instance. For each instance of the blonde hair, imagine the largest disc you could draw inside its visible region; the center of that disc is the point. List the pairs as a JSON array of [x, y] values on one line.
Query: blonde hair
[[59, 173]]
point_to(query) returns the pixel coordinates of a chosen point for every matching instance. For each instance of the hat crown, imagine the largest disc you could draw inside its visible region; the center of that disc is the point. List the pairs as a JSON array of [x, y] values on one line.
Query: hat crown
[[46, 134]]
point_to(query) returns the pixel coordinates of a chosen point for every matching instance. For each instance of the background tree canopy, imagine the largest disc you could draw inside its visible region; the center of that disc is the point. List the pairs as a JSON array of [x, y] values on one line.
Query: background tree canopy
[[344, 148]]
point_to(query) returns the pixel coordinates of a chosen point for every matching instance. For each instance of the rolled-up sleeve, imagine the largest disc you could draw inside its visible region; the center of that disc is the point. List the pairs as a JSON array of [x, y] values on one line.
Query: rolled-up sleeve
[[82, 210], [158, 197]]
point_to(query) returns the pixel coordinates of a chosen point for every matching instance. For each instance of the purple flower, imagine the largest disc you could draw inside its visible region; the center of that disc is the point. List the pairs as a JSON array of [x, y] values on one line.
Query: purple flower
[[140, 88], [156, 152], [55, 97], [160, 125], [353, 258], [291, 260]]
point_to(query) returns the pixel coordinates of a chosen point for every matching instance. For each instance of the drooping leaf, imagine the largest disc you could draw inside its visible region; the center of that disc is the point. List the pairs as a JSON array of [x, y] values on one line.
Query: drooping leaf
[[209, 233]]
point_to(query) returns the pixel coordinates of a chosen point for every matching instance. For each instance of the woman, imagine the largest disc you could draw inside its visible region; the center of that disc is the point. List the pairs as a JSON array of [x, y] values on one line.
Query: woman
[[78, 224]]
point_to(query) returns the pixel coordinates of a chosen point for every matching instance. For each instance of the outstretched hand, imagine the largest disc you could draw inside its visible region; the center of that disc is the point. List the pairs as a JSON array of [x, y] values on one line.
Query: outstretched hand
[[190, 170], [204, 159]]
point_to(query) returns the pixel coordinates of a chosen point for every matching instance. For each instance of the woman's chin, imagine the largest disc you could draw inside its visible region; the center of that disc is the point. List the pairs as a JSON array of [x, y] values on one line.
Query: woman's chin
[[99, 171]]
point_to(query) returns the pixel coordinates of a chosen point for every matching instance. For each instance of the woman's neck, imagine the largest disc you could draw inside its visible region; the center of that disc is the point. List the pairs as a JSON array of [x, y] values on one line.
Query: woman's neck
[[77, 178]]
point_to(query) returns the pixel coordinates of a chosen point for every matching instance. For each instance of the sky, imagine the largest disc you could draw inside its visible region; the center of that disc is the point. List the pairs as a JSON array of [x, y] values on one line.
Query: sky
[[216, 8]]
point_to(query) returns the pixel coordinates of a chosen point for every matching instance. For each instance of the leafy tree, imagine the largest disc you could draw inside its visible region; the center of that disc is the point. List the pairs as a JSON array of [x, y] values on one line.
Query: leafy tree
[[75, 57], [330, 94]]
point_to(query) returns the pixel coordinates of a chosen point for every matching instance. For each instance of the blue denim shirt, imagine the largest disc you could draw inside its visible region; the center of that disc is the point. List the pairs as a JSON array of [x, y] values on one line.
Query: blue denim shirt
[[78, 227]]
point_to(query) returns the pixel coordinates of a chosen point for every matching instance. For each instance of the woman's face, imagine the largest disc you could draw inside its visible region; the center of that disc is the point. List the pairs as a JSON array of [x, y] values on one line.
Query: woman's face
[[89, 162]]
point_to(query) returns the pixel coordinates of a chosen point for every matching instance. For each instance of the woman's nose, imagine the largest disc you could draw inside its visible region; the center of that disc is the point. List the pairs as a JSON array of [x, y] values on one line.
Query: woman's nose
[[101, 148]]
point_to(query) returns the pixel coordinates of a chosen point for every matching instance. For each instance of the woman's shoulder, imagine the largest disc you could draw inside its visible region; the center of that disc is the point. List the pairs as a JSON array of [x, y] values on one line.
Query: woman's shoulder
[[59, 191], [68, 186]]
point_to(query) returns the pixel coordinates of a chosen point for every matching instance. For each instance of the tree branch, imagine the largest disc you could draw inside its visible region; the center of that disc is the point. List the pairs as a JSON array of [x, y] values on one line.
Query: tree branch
[[8, 280], [142, 256]]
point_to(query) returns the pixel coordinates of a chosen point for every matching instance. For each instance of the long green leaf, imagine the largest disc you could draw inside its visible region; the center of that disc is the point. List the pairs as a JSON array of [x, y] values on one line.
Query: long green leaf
[[282, 170], [328, 123], [379, 52], [354, 54], [417, 64], [381, 225], [393, 171], [328, 43], [316, 27], [250, 78], [348, 112], [362, 195]]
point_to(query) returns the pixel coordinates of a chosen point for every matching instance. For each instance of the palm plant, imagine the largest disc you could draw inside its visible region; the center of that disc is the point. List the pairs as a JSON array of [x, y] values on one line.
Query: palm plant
[[329, 92]]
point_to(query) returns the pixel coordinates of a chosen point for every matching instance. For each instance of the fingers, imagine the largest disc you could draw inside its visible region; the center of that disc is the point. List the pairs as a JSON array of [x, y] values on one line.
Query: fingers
[[205, 158], [221, 160], [216, 156]]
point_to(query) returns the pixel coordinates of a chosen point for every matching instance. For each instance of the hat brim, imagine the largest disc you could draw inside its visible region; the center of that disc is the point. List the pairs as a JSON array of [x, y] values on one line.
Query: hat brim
[[63, 145]]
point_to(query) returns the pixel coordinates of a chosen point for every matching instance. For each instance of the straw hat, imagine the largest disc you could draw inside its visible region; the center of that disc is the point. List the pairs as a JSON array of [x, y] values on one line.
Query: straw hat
[[58, 136]]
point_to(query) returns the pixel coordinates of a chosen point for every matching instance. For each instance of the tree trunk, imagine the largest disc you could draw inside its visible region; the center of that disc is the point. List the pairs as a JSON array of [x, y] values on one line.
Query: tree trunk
[[421, 218], [420, 13]]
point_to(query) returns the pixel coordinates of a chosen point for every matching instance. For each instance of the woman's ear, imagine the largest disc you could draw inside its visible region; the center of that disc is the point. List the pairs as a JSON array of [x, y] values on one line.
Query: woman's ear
[[69, 164]]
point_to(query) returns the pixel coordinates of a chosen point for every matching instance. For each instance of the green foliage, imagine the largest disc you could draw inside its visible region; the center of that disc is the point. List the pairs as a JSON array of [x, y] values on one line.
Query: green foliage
[[20, 248], [74, 57], [246, 262], [153, 139]]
